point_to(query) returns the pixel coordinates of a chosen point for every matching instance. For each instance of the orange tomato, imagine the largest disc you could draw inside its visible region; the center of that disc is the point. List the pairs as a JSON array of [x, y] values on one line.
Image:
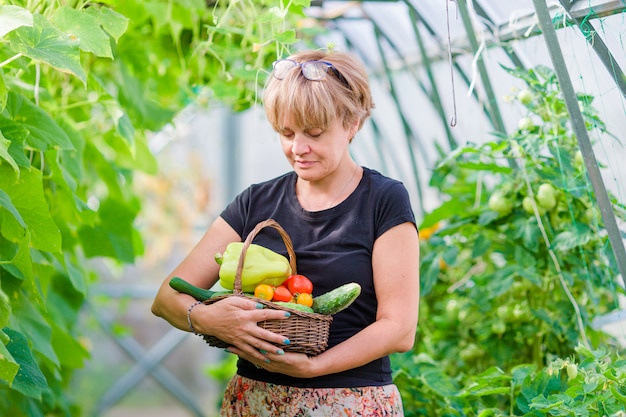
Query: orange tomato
[[305, 299], [427, 232], [264, 291]]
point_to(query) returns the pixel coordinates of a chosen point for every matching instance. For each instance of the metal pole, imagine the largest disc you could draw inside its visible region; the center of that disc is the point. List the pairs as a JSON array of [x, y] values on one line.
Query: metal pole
[[578, 124]]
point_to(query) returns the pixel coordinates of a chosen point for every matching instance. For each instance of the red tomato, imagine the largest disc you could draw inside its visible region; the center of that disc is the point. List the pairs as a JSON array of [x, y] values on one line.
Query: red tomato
[[299, 284], [281, 293]]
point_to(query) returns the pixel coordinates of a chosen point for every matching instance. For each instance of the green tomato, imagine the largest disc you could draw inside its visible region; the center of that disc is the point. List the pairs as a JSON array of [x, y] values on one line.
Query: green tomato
[[578, 160], [518, 312], [504, 312], [591, 215], [572, 371], [525, 96], [546, 196], [471, 352], [527, 203], [500, 204], [452, 309], [525, 123], [498, 327]]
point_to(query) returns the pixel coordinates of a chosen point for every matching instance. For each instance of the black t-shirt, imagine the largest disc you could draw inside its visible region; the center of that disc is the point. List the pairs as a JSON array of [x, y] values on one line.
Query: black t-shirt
[[332, 247]]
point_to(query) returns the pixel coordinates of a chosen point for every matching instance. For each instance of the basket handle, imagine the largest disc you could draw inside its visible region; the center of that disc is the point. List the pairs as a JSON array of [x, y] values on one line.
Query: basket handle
[[246, 244]]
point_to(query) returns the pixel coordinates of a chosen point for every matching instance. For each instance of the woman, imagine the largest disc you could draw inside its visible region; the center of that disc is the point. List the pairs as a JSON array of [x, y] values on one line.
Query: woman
[[348, 224]]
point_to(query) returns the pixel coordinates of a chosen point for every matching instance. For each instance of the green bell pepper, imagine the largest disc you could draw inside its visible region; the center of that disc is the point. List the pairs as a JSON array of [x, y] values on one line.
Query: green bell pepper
[[261, 266]]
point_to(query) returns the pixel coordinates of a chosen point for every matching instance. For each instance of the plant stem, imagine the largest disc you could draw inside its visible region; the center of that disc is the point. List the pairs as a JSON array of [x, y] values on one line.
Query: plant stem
[[581, 327], [9, 60]]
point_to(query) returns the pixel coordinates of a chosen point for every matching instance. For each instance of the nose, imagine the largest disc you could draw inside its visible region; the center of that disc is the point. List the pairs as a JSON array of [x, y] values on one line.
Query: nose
[[299, 146]]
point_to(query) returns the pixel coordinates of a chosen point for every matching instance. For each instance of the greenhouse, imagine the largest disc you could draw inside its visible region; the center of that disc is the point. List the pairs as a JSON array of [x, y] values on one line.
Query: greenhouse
[[128, 128]]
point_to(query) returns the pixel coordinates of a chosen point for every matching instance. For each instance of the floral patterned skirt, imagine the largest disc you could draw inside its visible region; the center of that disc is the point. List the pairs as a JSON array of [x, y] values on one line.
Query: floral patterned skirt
[[246, 397]]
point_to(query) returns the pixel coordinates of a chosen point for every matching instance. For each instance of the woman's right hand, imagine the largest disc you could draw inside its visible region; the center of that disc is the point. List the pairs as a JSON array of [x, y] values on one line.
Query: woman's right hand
[[234, 320]]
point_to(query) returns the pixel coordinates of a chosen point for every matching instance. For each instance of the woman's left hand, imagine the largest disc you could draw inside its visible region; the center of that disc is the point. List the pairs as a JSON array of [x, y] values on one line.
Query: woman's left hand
[[298, 365]]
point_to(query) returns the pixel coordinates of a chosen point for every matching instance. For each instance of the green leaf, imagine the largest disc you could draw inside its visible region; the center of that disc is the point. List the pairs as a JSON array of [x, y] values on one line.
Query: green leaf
[[437, 380], [114, 235], [71, 353], [430, 276], [5, 201], [4, 153], [5, 312], [76, 275], [4, 92], [123, 123], [45, 133], [85, 27], [43, 42], [13, 17], [479, 166], [28, 198], [481, 246], [287, 37], [445, 211], [29, 380], [33, 323], [20, 264], [567, 240], [16, 134], [8, 366], [112, 22]]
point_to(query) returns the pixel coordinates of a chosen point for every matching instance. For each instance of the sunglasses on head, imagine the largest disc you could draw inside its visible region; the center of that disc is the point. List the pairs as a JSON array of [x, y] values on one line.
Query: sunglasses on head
[[311, 70]]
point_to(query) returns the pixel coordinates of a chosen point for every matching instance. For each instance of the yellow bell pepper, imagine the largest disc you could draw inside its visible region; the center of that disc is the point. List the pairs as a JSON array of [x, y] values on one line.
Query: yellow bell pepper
[[261, 266]]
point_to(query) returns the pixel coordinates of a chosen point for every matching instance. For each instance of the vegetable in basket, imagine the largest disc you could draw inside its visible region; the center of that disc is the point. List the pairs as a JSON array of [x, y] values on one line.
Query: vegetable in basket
[[261, 266]]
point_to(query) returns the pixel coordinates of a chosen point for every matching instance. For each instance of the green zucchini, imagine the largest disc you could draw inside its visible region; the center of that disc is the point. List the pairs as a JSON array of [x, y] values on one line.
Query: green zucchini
[[185, 287], [295, 306], [336, 300]]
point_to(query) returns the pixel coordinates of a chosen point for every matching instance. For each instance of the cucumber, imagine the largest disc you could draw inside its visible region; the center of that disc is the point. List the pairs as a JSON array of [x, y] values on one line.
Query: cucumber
[[336, 300], [185, 287], [295, 306]]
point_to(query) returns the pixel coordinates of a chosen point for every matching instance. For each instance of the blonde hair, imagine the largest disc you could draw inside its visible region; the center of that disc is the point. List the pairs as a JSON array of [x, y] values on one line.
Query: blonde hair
[[308, 104]]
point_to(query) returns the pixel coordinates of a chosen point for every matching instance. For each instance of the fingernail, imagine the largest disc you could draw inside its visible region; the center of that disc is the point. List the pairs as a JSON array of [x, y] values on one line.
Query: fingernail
[[280, 352], [286, 341], [263, 351], [267, 361], [287, 314], [258, 305]]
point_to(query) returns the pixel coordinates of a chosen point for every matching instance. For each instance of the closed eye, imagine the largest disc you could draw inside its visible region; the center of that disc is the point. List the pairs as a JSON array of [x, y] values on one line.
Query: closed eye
[[286, 133], [314, 133]]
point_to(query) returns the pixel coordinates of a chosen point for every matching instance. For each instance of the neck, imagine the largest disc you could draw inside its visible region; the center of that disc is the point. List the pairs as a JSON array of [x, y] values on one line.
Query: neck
[[318, 197]]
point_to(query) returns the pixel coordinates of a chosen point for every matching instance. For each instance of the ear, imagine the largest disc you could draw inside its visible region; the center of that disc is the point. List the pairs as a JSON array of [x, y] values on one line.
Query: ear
[[354, 128]]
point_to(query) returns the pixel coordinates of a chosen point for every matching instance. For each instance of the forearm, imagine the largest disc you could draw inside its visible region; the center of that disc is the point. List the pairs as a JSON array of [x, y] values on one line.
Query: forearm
[[172, 307], [380, 339], [198, 269]]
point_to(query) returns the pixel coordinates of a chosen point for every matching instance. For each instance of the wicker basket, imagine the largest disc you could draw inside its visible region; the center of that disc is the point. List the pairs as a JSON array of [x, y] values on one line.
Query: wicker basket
[[307, 332]]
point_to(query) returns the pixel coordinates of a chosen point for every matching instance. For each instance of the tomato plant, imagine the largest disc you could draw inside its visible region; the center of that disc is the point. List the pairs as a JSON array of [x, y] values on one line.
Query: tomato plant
[[299, 284], [512, 312]]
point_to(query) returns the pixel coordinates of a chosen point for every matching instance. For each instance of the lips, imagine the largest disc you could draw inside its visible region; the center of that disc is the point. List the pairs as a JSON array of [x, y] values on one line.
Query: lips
[[304, 164]]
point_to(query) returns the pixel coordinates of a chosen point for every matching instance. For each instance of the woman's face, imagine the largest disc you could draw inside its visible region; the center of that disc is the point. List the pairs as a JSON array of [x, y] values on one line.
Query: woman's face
[[314, 153]]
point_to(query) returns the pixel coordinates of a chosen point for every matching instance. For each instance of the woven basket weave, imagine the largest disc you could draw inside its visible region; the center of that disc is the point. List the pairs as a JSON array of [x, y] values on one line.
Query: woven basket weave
[[307, 332]]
